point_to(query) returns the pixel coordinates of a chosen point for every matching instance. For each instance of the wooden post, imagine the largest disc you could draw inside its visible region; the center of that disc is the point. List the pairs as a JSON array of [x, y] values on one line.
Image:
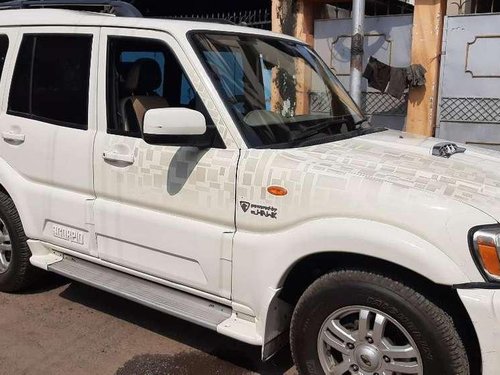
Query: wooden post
[[305, 21], [426, 50], [296, 18], [283, 21]]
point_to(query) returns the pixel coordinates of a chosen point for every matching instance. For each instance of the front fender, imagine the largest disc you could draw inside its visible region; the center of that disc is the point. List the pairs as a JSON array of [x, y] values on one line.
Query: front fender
[[261, 261]]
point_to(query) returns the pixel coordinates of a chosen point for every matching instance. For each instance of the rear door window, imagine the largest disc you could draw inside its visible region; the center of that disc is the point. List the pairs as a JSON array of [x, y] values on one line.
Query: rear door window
[[51, 79]]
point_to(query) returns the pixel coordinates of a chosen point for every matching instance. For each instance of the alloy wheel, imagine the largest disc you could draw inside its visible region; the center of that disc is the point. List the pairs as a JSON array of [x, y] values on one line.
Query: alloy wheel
[[360, 340], [5, 248]]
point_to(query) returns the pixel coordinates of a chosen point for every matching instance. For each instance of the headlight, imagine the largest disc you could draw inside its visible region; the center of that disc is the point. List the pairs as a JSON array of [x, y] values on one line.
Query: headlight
[[485, 246]]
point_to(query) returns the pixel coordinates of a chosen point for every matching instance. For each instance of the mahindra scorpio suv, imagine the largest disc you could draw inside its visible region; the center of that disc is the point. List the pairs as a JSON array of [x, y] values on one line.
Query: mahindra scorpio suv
[[182, 165]]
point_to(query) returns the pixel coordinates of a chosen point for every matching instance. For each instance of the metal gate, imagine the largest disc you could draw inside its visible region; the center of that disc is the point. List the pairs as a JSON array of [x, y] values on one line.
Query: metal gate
[[469, 99], [388, 38], [259, 18]]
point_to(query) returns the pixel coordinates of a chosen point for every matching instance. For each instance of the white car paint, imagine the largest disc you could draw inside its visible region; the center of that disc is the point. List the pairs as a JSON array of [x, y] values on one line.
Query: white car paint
[[484, 309], [382, 195]]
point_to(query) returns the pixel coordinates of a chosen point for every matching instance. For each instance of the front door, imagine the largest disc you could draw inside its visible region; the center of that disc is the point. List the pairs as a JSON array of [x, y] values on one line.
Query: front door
[[164, 211]]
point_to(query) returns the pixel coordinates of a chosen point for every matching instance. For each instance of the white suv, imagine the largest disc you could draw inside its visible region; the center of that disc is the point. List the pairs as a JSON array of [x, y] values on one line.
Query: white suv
[[223, 175]]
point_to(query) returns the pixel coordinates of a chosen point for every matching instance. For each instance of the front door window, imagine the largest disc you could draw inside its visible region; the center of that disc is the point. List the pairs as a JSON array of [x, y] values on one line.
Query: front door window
[[144, 74]]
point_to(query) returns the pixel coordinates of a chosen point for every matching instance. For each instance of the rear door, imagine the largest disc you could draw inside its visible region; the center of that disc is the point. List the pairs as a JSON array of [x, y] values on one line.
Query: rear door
[[47, 129]]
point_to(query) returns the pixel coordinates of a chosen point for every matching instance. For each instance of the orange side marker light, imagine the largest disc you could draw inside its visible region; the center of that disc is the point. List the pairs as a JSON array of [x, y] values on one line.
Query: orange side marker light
[[277, 190]]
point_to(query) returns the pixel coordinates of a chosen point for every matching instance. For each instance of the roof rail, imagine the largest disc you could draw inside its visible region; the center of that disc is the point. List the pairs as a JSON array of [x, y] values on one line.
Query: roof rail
[[118, 8], [198, 19]]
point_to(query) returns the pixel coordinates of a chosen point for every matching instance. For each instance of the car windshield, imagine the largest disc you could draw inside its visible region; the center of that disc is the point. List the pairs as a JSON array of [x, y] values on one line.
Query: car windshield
[[279, 92]]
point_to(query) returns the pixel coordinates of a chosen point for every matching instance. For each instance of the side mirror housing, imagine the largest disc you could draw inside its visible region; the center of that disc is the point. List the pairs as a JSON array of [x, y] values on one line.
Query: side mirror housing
[[165, 122], [176, 127]]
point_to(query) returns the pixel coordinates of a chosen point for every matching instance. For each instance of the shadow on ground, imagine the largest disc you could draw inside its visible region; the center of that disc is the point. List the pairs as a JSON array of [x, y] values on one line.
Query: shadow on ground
[[45, 281], [214, 354]]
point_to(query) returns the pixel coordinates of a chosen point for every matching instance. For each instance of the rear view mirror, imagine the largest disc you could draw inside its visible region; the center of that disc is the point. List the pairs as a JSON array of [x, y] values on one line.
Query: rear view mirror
[[176, 127]]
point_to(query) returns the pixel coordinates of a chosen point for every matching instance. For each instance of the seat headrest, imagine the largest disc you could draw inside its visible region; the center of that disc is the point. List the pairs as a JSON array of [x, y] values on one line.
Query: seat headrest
[[144, 77]]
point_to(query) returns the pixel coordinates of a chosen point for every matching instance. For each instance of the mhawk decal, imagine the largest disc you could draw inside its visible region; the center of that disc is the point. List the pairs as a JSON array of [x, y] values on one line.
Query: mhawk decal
[[258, 210]]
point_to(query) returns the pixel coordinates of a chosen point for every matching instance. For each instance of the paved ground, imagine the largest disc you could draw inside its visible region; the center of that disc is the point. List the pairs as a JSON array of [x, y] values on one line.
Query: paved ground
[[69, 328]]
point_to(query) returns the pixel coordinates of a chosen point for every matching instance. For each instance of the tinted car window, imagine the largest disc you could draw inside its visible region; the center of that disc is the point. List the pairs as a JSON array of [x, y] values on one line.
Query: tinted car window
[[4, 46], [19, 101], [51, 79]]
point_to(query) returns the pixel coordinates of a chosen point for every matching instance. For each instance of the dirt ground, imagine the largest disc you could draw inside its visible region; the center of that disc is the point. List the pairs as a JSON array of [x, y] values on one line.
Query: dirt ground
[[68, 328]]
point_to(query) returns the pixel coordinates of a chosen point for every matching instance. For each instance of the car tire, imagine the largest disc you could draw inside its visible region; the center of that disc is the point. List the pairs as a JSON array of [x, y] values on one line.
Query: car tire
[[351, 322], [16, 272]]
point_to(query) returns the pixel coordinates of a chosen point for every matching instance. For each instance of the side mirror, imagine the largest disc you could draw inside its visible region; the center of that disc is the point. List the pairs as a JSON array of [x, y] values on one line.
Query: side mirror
[[174, 122]]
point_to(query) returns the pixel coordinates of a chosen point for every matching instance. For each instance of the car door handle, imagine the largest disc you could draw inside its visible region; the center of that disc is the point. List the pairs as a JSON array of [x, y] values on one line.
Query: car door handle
[[117, 157], [13, 137]]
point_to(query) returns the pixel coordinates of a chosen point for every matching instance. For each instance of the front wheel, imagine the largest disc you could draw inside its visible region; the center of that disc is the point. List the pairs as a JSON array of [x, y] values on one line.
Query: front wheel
[[360, 323]]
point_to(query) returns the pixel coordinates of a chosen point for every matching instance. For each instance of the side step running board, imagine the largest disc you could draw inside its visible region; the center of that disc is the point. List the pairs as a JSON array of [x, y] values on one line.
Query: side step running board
[[179, 304]]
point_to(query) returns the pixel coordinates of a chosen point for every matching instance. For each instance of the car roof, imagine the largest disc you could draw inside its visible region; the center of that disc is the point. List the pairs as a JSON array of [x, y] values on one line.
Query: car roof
[[63, 17]]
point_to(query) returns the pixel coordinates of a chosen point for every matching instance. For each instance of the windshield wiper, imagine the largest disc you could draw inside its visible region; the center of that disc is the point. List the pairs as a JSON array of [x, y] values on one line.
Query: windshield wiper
[[328, 138], [314, 130], [362, 121], [354, 133]]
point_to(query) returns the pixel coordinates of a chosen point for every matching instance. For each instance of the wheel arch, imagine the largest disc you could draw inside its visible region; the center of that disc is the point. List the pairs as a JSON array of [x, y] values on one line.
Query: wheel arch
[[20, 191], [4, 190], [311, 267]]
